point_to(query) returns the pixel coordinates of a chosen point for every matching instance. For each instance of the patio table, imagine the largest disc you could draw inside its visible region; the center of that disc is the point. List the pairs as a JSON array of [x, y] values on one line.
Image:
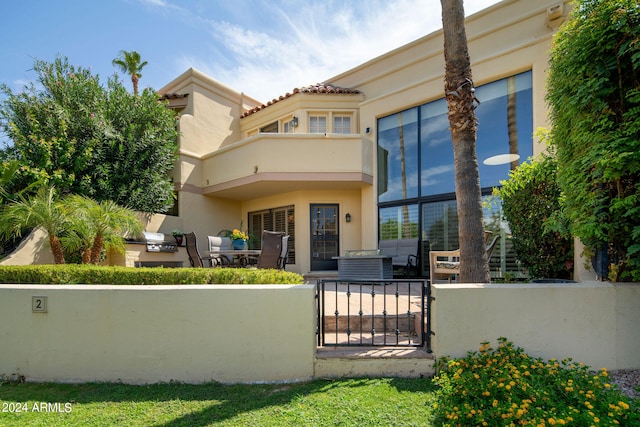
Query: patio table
[[241, 257]]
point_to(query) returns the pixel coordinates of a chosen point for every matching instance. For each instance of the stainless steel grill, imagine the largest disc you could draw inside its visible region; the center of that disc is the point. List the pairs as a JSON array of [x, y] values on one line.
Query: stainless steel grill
[[158, 242]]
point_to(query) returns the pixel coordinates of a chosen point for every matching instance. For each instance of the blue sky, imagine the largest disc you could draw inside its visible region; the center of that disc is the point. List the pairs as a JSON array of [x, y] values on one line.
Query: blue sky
[[263, 48]]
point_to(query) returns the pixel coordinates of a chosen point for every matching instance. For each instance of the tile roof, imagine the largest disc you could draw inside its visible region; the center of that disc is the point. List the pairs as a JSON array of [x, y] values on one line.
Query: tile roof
[[317, 88]]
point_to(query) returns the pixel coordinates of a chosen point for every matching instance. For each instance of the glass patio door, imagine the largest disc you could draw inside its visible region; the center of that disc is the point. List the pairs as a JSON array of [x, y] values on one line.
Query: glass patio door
[[324, 236]]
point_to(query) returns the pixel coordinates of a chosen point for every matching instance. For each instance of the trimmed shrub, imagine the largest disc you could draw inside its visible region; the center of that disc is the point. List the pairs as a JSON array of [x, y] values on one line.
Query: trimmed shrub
[[73, 274], [531, 204]]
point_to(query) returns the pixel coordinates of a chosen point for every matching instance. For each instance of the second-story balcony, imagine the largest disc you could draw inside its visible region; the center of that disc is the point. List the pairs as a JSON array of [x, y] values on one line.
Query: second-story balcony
[[268, 164]]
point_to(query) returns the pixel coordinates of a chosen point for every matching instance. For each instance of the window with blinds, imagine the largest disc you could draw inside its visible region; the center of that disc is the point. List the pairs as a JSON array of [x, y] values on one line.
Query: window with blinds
[[276, 219], [317, 124], [341, 124]]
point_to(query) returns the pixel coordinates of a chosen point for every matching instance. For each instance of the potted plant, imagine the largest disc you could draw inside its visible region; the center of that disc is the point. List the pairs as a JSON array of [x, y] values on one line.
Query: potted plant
[[239, 239], [178, 235]]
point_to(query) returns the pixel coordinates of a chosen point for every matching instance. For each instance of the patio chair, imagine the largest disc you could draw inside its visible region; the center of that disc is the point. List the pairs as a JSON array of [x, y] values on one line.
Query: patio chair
[[447, 263], [216, 244], [192, 251], [270, 257], [282, 261]]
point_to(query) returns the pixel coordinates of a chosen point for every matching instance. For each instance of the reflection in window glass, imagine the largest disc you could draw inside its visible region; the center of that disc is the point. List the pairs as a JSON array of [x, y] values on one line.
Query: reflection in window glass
[[399, 222], [437, 152], [440, 230], [505, 126], [440, 225], [398, 156], [414, 146]]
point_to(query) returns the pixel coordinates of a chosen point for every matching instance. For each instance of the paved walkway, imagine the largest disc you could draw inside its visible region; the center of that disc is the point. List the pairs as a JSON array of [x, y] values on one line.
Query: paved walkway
[[380, 314]]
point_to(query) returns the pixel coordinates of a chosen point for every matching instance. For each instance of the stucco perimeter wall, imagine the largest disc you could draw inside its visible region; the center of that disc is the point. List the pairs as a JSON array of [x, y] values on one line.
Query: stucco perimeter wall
[[134, 334], [591, 322]]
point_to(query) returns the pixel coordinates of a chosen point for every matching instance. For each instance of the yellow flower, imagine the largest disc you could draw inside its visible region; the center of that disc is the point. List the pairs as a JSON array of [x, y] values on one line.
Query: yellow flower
[[239, 235]]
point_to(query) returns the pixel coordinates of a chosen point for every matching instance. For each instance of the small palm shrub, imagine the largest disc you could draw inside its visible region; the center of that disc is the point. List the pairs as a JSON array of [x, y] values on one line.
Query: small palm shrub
[[506, 387]]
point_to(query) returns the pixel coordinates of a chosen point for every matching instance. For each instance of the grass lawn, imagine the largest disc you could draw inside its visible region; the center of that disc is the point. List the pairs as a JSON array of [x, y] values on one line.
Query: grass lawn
[[351, 402]]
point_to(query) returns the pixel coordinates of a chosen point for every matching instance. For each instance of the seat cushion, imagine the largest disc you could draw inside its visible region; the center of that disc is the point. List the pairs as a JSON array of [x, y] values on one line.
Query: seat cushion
[[449, 265]]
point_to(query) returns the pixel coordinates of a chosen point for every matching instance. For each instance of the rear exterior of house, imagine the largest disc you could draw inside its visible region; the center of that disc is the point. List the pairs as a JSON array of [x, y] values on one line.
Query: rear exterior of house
[[367, 155]]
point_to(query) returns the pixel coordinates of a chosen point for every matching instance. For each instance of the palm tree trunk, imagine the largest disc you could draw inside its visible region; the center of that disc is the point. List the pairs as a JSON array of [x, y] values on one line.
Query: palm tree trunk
[[134, 80], [86, 256], [56, 249], [96, 249], [459, 91]]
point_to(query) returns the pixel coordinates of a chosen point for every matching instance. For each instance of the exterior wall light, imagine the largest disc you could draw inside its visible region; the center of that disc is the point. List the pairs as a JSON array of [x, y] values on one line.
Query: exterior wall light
[[294, 122], [347, 217]]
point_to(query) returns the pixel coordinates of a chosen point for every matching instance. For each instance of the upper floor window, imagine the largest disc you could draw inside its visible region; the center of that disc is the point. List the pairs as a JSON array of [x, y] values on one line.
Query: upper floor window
[[288, 125], [415, 152], [341, 124], [317, 124], [270, 128]]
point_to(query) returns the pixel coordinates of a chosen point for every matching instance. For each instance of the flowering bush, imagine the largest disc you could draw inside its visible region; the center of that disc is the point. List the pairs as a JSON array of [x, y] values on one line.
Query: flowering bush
[[506, 387], [239, 235]]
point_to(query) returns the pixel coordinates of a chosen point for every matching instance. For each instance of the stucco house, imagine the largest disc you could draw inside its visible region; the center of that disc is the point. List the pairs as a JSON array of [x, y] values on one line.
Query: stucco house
[[364, 156]]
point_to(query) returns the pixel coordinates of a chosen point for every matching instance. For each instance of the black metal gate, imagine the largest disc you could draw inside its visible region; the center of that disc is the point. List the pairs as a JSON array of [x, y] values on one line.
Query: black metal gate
[[374, 313]]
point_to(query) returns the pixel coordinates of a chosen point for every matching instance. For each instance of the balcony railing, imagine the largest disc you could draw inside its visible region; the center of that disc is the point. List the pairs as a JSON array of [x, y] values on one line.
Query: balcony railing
[[288, 159]]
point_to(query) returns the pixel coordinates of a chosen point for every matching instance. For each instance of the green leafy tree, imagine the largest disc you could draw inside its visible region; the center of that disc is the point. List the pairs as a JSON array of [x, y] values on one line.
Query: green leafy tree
[[531, 204], [102, 142], [41, 210], [129, 62], [594, 98]]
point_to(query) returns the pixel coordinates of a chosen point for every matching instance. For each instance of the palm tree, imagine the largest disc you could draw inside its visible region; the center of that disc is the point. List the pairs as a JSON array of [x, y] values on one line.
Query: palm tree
[[42, 210], [459, 92], [129, 63], [100, 225]]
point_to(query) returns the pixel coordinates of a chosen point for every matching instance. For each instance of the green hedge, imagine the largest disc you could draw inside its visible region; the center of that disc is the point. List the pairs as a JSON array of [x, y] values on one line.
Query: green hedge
[[76, 274]]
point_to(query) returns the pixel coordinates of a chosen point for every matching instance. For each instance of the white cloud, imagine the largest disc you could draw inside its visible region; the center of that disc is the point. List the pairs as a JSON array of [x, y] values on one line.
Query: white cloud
[[309, 42], [162, 4]]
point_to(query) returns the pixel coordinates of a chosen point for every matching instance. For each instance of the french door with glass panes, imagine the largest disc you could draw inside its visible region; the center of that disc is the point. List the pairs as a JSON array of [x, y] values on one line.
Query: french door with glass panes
[[325, 236]]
